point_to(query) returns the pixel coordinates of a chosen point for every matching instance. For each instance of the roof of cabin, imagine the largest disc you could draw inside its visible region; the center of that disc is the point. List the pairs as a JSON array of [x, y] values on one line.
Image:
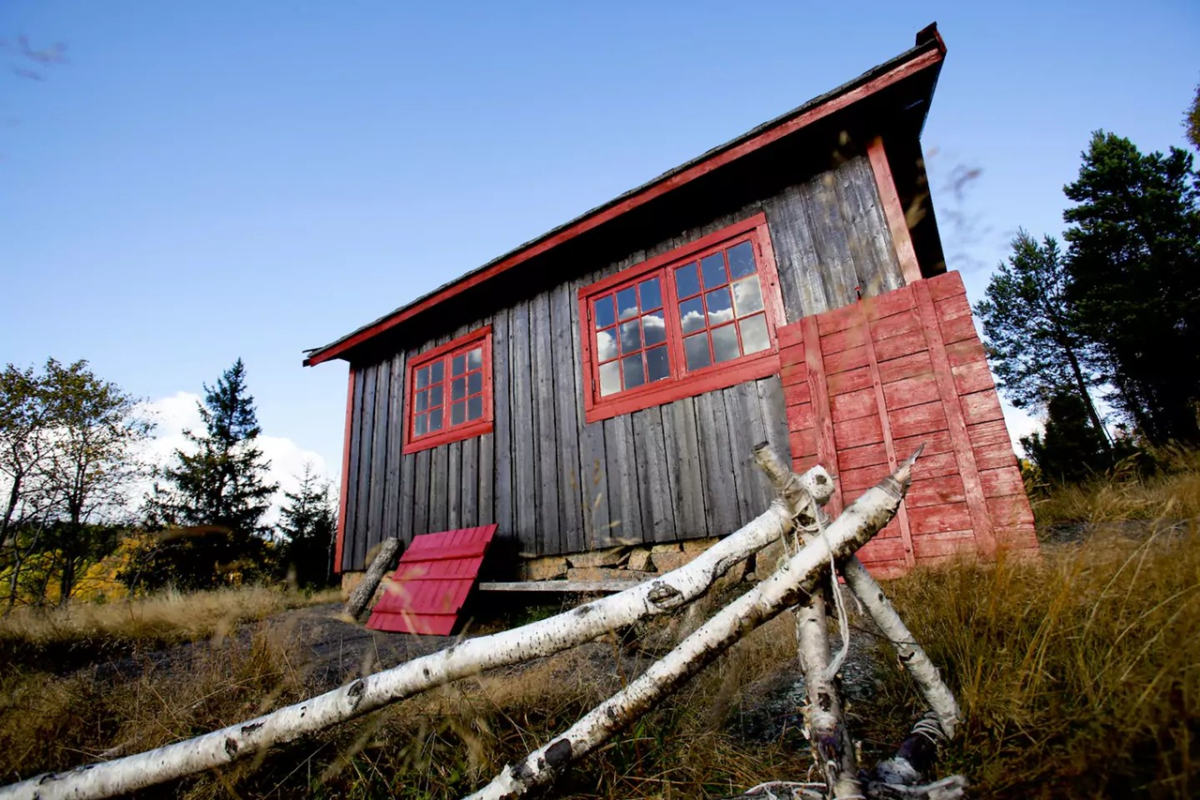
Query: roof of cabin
[[927, 54]]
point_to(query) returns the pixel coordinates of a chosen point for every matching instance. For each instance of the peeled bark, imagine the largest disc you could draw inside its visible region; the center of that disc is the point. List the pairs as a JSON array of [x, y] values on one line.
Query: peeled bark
[[799, 577], [470, 657], [365, 590]]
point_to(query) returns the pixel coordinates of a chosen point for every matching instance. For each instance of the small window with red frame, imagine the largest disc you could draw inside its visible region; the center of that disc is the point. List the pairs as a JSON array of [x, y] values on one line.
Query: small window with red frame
[[699, 310], [449, 392]]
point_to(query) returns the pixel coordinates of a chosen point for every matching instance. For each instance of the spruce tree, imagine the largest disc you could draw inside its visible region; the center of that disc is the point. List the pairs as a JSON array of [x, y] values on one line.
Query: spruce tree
[[215, 494], [308, 523]]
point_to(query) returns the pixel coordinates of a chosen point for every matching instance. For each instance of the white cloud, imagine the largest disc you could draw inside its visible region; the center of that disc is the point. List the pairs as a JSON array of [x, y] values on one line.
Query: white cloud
[[180, 411]]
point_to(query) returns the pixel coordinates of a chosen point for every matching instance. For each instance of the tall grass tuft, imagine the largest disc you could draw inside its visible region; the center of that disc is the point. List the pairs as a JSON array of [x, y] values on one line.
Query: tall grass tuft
[[1078, 676]]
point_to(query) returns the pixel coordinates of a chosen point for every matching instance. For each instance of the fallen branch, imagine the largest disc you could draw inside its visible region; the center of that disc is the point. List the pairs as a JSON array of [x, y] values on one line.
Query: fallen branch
[[365, 590], [828, 735], [470, 657], [800, 576], [912, 657], [807, 493]]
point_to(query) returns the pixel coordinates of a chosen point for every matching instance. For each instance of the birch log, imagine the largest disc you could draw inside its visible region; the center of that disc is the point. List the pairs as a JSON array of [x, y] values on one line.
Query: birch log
[[365, 590], [912, 657], [798, 490], [800, 576], [542, 638], [828, 735]]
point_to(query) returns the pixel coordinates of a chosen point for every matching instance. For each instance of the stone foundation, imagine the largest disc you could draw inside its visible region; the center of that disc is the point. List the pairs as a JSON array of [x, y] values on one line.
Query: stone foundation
[[629, 562]]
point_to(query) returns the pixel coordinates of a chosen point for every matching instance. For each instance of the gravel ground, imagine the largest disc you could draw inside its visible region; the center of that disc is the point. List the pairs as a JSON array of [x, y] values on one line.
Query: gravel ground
[[337, 650]]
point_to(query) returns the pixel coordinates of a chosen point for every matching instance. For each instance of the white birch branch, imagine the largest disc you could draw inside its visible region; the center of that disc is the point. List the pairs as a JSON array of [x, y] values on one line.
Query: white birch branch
[[828, 735], [796, 489], [912, 657], [365, 590], [799, 576], [543, 638]]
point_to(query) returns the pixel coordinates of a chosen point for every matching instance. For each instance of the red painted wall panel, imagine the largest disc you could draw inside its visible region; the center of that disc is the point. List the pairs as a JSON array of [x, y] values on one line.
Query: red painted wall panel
[[867, 384]]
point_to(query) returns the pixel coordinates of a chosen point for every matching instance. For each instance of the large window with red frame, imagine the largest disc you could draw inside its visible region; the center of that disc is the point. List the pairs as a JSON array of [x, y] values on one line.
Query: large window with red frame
[[703, 314], [449, 392]]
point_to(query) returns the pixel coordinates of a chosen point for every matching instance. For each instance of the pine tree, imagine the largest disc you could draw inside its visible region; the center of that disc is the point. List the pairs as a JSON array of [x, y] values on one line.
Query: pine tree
[[1135, 280], [1070, 450], [309, 523], [1191, 120], [1034, 343], [216, 492]]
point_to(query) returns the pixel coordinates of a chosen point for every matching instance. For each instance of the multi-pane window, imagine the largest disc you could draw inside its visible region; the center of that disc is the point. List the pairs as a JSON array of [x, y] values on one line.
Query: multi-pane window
[[721, 312], [449, 392], [706, 309], [631, 336]]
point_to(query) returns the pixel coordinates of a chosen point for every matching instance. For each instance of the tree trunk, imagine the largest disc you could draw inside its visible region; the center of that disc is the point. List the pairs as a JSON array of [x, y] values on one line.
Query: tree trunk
[[832, 747], [799, 577], [365, 590], [910, 654], [14, 494], [1086, 396]]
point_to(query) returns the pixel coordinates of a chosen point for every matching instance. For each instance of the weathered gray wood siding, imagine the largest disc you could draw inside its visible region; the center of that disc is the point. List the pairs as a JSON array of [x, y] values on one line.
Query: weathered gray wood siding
[[556, 484]]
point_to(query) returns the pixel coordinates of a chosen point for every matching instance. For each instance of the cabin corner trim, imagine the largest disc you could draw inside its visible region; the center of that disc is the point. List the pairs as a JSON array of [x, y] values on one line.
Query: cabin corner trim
[[893, 212]]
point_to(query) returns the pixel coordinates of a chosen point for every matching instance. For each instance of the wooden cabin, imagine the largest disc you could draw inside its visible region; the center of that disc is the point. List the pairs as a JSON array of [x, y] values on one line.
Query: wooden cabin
[[606, 382]]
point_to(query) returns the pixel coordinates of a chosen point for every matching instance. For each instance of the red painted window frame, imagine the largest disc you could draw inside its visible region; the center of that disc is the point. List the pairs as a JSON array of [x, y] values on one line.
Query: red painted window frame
[[464, 430], [681, 383]]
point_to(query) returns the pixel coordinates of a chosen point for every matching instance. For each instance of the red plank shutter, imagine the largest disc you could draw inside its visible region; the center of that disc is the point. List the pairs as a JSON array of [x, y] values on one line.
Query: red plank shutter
[[432, 582]]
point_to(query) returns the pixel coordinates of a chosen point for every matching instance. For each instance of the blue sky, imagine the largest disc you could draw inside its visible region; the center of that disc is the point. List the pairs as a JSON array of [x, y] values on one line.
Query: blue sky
[[205, 181]]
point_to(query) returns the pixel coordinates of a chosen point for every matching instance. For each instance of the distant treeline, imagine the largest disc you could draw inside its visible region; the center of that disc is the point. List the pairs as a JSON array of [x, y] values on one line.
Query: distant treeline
[[72, 459]]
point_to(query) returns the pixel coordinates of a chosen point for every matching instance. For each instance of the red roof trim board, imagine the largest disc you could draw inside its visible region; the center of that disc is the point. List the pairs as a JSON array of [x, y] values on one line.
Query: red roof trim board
[[929, 53], [432, 582]]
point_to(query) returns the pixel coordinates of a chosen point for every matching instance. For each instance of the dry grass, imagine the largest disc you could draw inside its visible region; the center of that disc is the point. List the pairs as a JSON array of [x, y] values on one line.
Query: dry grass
[[1164, 497], [82, 631], [441, 744], [1079, 676], [50, 723], [1161, 484]]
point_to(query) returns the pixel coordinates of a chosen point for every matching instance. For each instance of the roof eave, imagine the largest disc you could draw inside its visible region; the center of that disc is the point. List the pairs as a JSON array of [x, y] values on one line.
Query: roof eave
[[928, 53]]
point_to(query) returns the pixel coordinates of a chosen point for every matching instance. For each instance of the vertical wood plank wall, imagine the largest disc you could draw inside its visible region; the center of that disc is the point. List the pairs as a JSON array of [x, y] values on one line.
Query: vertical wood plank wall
[[867, 384], [556, 484]]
